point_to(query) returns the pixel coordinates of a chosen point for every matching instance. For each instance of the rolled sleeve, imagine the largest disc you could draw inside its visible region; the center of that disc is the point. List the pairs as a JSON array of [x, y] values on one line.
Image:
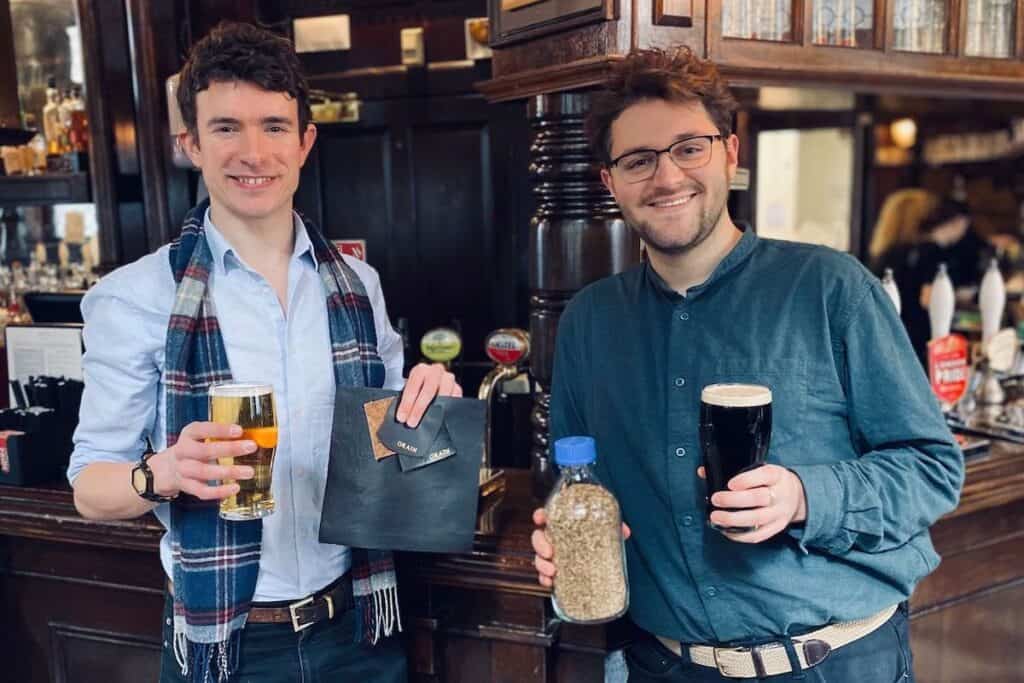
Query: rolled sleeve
[[910, 470], [125, 317], [823, 494]]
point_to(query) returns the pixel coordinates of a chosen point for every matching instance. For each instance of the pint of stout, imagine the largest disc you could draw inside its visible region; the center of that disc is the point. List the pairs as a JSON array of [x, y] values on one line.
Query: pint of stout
[[735, 428], [251, 407]]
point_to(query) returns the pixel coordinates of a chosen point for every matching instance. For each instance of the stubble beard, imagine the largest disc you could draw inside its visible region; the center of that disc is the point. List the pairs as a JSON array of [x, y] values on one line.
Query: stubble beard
[[707, 221]]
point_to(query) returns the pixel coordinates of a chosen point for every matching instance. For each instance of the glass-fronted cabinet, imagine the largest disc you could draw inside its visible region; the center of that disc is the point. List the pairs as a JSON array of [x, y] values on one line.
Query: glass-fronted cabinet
[[920, 26], [989, 26], [45, 213], [947, 28], [843, 23], [758, 20]]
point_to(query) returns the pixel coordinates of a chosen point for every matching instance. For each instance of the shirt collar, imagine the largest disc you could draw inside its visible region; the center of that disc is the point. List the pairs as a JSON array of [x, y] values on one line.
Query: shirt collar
[[225, 258], [737, 255]]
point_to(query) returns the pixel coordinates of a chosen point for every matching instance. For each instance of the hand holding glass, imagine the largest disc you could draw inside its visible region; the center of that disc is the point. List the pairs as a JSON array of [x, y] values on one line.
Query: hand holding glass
[[250, 406], [735, 430]]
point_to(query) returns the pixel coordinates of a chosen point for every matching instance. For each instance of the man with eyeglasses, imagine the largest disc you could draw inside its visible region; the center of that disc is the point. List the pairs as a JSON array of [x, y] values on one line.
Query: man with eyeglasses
[[860, 462]]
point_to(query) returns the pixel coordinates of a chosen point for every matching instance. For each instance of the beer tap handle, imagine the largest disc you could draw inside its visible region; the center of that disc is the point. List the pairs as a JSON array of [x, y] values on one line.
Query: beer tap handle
[[441, 345], [508, 348]]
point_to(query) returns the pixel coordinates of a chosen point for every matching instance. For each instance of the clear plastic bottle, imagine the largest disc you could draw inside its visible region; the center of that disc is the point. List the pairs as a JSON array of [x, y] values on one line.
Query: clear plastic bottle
[[585, 527]]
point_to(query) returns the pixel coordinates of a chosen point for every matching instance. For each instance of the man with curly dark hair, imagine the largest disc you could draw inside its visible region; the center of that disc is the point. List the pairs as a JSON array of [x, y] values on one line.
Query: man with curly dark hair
[[250, 291], [802, 569]]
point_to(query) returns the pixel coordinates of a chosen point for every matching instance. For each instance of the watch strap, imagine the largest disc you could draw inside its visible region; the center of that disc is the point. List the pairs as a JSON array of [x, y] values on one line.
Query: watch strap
[[143, 466]]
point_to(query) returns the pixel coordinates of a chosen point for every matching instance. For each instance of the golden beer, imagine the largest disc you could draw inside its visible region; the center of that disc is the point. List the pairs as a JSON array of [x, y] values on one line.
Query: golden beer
[[251, 407]]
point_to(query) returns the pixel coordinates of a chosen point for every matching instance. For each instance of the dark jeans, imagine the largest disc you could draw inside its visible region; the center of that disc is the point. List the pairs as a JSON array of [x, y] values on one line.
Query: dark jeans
[[882, 656], [274, 653]]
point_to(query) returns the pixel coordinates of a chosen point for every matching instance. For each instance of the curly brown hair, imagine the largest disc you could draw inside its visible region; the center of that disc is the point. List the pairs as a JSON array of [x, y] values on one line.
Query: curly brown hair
[[235, 51], [676, 75]]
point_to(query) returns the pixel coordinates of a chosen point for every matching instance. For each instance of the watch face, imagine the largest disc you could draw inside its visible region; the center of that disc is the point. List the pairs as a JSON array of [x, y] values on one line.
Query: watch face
[[138, 480]]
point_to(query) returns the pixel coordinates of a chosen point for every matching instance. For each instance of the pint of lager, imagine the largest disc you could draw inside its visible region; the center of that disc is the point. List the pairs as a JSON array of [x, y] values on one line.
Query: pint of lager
[[735, 429], [250, 406]]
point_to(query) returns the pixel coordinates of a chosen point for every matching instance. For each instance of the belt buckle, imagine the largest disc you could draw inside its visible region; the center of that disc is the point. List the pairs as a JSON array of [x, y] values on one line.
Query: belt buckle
[[755, 658], [295, 616]]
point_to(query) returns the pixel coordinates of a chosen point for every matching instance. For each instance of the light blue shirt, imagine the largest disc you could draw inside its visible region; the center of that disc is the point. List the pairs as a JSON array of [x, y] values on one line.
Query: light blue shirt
[[126, 317]]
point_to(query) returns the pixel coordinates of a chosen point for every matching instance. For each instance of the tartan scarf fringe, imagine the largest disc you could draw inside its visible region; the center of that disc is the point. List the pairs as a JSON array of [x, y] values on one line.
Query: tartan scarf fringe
[[216, 563]]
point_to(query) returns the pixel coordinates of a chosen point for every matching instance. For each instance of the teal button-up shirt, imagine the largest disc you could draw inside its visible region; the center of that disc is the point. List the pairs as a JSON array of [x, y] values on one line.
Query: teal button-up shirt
[[853, 417]]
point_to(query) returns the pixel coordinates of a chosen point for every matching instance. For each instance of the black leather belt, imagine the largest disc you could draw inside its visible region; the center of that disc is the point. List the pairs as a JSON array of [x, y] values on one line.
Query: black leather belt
[[326, 603]]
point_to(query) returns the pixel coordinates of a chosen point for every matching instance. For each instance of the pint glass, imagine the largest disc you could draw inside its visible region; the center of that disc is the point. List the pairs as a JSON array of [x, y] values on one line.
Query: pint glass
[[250, 406], [735, 429]]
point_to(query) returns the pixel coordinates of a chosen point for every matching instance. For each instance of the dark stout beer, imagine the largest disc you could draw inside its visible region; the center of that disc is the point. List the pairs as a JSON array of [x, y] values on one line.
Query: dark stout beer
[[735, 429]]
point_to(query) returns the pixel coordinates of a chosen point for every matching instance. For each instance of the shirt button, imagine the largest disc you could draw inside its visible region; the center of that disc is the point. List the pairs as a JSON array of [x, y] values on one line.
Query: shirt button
[[684, 316], [680, 451], [680, 381], [688, 520], [711, 591]]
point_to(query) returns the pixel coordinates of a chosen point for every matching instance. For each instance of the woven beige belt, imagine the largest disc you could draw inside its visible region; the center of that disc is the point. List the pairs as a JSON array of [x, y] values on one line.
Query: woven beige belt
[[770, 659]]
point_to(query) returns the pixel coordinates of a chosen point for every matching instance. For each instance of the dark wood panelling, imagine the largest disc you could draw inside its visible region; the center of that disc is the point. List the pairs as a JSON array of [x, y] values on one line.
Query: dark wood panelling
[[155, 55], [108, 656], [108, 589], [455, 231], [557, 62], [203, 15], [376, 41], [477, 617], [398, 81], [966, 622], [977, 641], [354, 200], [532, 21], [101, 125], [437, 187], [51, 188]]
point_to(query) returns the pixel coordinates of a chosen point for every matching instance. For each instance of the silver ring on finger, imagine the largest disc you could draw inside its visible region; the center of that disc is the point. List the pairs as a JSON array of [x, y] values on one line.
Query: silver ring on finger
[[771, 496]]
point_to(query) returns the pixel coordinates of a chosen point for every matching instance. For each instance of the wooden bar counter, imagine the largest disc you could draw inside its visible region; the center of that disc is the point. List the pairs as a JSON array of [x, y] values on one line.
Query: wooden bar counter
[[81, 600]]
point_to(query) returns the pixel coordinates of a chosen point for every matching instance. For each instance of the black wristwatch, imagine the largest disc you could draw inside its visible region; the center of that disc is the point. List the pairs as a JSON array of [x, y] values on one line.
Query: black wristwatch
[[142, 478]]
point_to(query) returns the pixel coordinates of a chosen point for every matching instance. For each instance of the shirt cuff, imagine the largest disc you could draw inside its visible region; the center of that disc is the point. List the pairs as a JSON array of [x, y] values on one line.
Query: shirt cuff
[[824, 498]]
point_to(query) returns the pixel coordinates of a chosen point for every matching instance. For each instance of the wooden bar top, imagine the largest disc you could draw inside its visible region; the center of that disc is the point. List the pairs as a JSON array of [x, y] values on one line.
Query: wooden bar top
[[481, 615], [502, 539]]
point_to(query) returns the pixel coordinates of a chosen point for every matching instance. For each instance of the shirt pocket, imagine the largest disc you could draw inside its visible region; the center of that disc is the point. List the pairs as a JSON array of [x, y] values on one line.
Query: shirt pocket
[[787, 379]]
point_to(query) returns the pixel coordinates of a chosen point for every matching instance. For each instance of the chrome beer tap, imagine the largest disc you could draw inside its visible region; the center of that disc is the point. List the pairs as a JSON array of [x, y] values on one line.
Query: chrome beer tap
[[509, 348]]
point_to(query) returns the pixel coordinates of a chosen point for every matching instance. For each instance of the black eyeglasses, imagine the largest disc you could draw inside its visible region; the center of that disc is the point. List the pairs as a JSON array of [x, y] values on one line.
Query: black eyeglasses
[[687, 154]]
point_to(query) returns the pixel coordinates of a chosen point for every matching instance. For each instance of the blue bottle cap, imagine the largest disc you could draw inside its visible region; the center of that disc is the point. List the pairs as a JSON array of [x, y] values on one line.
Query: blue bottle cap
[[575, 450]]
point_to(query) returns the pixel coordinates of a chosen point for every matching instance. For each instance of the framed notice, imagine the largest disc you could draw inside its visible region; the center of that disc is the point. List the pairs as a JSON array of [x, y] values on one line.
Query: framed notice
[[515, 20], [355, 248], [43, 349]]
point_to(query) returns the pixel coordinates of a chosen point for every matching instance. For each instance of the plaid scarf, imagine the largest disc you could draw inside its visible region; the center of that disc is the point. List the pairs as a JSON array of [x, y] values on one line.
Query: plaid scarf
[[215, 561]]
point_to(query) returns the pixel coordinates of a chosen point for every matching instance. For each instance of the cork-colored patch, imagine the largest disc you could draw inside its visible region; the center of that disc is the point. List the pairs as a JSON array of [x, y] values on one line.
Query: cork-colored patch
[[375, 414]]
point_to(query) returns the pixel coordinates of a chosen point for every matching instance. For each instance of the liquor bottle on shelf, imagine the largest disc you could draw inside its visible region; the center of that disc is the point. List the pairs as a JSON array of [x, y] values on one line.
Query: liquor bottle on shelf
[[53, 128], [78, 122]]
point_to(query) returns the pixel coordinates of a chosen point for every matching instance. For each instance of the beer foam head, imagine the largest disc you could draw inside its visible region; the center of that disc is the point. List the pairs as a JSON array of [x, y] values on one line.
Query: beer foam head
[[736, 395], [240, 389]]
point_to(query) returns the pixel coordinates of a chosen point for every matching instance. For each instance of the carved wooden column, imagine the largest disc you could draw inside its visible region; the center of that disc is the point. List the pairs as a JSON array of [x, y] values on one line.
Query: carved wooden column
[[577, 236]]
